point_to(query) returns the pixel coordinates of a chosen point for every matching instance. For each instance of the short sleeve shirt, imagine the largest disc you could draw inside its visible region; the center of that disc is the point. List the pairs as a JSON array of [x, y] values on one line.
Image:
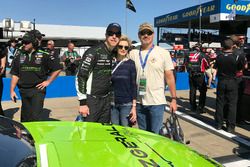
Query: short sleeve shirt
[[159, 61]]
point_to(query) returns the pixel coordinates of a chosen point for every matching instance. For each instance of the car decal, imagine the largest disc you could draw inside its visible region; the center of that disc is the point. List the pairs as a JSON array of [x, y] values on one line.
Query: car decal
[[135, 150], [43, 155]]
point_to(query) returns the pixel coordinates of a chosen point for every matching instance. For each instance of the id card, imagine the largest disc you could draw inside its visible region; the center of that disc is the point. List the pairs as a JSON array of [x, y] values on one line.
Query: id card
[[142, 85]]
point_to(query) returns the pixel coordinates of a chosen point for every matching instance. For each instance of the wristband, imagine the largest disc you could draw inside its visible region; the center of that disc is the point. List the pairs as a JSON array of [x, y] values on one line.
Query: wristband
[[174, 98]]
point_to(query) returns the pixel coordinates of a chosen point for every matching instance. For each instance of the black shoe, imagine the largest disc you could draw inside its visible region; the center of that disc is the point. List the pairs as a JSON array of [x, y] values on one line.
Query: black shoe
[[200, 110], [218, 127], [230, 130]]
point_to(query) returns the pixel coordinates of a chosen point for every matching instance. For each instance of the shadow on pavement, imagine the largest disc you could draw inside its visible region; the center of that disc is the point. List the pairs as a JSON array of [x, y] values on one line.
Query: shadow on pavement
[[10, 112], [45, 115]]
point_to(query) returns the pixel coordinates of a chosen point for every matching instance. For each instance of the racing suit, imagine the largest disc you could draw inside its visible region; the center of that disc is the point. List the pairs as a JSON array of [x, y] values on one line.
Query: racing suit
[[93, 83]]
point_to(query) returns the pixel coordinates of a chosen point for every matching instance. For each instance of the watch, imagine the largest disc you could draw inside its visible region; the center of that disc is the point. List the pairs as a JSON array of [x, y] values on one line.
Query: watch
[[175, 98]]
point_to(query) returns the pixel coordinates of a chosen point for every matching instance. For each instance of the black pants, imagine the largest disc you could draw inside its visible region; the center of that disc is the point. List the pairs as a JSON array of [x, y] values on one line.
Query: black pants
[[241, 87], [197, 81], [227, 94], [1, 93], [32, 104], [99, 109]]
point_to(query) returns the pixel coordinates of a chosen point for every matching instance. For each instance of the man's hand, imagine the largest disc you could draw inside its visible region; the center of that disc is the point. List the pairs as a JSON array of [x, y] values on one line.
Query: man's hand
[[2, 69], [13, 96], [173, 105], [132, 114], [43, 85], [84, 110]]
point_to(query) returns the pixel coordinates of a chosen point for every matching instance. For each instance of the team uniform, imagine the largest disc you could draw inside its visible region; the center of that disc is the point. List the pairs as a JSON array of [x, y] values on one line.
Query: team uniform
[[196, 66], [227, 89], [93, 83], [32, 69]]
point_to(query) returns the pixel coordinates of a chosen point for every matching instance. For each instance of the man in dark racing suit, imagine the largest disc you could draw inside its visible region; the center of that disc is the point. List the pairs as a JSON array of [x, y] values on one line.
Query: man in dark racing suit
[[93, 80]]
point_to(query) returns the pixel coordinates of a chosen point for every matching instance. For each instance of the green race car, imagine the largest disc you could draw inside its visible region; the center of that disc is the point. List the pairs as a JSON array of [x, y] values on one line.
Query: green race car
[[78, 144]]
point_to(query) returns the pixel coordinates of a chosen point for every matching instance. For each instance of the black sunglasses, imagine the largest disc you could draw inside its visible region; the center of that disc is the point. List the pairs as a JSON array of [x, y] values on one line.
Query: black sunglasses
[[144, 32], [122, 46], [111, 33]]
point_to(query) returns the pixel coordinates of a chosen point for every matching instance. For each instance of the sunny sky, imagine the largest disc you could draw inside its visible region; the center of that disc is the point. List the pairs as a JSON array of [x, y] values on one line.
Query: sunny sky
[[92, 12]]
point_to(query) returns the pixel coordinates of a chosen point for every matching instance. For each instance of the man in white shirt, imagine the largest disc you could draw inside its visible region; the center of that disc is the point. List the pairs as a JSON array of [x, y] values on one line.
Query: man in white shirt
[[154, 66]]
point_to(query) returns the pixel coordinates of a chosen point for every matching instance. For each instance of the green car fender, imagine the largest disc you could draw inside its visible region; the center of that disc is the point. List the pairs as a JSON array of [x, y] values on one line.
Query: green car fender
[[60, 144]]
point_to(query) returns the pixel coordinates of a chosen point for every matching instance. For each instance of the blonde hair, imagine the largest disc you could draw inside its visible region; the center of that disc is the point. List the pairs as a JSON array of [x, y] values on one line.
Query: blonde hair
[[125, 38]]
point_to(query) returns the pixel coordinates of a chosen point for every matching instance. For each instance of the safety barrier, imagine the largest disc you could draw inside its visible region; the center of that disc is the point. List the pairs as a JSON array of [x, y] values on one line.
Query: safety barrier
[[64, 86]]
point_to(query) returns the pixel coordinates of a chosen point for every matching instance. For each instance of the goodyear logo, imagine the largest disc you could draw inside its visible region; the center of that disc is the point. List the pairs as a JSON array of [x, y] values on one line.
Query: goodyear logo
[[197, 11], [167, 18], [242, 8]]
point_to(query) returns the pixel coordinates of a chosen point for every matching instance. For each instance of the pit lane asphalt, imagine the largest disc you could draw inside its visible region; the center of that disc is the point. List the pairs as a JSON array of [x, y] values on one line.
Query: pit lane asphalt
[[202, 139]]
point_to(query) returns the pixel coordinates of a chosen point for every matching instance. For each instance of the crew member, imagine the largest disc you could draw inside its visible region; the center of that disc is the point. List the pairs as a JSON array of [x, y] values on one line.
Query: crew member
[[71, 59], [196, 65], [29, 71], [227, 65]]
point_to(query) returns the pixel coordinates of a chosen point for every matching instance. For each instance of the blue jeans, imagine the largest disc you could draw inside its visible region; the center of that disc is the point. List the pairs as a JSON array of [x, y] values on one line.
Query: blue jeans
[[150, 117], [120, 113]]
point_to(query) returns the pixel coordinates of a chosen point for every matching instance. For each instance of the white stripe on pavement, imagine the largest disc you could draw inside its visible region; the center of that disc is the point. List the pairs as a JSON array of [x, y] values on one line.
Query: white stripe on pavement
[[222, 132], [241, 163]]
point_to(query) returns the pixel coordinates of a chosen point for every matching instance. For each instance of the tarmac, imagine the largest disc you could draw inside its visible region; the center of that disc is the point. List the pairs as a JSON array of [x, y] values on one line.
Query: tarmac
[[203, 138]]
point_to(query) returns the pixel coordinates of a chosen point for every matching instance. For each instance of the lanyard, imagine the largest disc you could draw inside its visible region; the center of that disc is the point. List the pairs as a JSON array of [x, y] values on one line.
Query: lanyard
[[143, 63], [120, 63]]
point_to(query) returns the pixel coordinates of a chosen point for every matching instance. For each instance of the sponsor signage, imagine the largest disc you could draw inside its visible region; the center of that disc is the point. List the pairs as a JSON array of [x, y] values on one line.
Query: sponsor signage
[[217, 10], [205, 9]]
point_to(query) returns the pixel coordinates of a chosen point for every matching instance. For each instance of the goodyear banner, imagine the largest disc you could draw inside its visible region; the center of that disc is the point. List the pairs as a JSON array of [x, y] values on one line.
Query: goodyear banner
[[194, 12], [241, 7], [223, 8]]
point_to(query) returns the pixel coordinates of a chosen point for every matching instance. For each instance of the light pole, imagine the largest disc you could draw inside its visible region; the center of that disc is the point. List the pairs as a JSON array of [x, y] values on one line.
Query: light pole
[[200, 22]]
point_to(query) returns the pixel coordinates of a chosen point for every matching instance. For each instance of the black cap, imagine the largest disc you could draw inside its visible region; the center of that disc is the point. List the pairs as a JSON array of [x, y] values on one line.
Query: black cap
[[29, 38], [114, 27], [37, 33]]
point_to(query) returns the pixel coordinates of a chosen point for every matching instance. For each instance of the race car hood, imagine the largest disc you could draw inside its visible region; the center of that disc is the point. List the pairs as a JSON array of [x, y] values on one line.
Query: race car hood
[[61, 144]]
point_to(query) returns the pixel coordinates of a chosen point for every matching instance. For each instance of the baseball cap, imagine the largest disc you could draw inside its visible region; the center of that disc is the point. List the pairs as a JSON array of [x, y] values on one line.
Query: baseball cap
[[146, 26], [37, 33], [114, 27], [29, 38]]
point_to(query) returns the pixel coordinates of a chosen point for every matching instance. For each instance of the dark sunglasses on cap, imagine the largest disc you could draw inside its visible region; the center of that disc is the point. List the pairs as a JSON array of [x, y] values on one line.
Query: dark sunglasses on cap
[[146, 31], [122, 46], [111, 33]]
